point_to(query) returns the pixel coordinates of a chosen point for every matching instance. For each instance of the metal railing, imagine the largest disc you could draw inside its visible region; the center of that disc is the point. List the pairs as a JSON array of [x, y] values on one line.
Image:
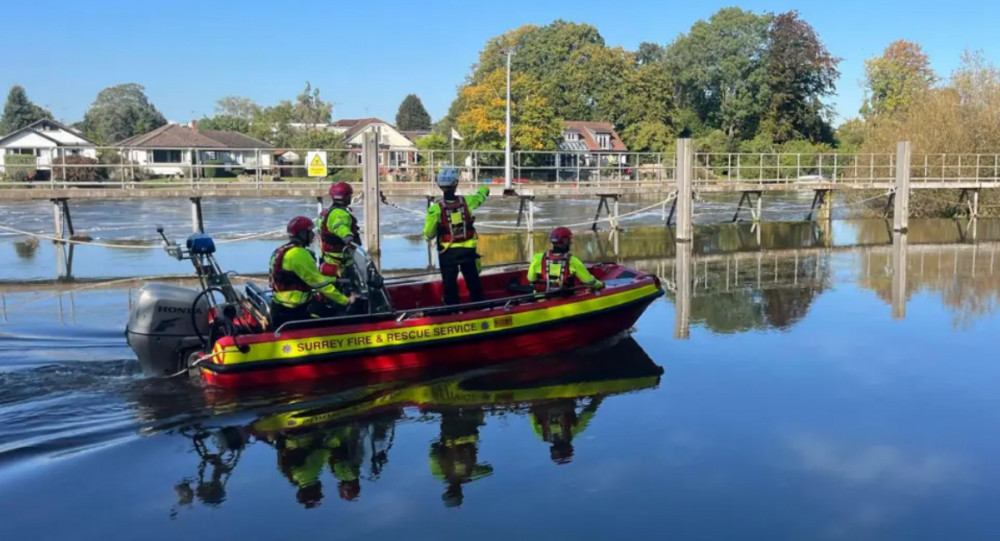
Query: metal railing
[[141, 168]]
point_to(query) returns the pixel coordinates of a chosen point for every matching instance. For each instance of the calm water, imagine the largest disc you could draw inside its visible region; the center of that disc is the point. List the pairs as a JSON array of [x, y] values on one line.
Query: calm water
[[809, 400]]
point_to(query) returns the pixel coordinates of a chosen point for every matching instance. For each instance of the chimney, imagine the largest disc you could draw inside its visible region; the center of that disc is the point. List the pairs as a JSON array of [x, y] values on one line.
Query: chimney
[[193, 124]]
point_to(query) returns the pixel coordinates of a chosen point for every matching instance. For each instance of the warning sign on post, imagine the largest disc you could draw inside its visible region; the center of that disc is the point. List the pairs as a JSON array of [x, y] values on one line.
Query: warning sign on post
[[316, 163]]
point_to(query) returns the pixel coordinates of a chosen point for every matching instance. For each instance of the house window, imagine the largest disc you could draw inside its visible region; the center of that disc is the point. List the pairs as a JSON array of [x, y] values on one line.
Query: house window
[[571, 136], [604, 140], [23, 151], [166, 156]]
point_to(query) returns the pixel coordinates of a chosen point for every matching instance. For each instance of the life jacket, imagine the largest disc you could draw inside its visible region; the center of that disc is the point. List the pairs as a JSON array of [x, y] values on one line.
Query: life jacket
[[456, 221], [331, 242], [281, 279], [555, 272]]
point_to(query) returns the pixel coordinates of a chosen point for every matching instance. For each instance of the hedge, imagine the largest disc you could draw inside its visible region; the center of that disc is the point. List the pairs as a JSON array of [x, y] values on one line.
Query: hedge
[[19, 167]]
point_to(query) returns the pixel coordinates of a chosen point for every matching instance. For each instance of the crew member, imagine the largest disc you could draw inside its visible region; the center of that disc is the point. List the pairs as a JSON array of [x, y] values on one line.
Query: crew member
[[558, 424], [294, 279], [338, 229], [557, 269], [450, 220]]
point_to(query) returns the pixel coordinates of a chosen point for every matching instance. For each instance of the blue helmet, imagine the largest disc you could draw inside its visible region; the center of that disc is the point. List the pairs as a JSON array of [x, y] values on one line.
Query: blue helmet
[[448, 177]]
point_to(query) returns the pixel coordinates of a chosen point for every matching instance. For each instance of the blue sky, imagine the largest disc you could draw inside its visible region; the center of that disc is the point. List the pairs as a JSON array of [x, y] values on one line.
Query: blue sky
[[366, 56]]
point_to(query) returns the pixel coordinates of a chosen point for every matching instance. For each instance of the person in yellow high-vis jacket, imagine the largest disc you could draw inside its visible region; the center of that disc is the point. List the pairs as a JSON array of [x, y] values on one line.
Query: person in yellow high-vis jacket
[[450, 221], [295, 281], [558, 269]]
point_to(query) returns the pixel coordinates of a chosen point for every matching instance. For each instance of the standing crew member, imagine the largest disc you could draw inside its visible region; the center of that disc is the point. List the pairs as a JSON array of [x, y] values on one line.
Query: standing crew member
[[451, 221], [294, 278], [557, 269], [338, 228]]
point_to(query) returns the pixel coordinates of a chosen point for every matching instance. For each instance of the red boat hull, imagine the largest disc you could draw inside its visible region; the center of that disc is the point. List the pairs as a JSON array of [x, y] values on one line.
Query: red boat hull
[[557, 339]]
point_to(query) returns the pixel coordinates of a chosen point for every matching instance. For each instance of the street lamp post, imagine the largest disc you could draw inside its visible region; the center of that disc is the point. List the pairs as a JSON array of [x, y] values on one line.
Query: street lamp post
[[506, 160]]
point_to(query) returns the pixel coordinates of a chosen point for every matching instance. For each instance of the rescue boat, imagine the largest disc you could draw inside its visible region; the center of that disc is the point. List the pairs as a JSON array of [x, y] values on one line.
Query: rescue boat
[[226, 335]]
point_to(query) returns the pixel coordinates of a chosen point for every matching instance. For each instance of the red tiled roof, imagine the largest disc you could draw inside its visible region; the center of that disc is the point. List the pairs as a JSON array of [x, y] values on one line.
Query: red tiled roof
[[588, 131]]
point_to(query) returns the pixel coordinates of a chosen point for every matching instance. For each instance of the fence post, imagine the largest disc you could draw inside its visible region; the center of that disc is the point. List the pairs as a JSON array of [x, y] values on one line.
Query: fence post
[[899, 255], [685, 172], [197, 222], [369, 151], [901, 212], [682, 282]]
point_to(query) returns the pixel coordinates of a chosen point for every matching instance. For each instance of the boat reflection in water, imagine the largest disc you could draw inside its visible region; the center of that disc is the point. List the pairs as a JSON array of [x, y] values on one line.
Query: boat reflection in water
[[349, 433]]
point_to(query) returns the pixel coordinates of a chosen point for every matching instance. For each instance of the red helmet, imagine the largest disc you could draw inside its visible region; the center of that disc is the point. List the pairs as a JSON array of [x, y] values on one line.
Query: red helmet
[[341, 192], [300, 228], [561, 236]]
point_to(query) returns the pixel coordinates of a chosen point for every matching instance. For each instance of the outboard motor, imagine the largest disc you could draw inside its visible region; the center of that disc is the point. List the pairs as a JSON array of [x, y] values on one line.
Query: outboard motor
[[169, 324], [165, 327]]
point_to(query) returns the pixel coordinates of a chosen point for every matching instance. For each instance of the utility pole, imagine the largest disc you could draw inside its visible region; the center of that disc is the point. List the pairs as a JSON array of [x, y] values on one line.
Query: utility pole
[[508, 183]]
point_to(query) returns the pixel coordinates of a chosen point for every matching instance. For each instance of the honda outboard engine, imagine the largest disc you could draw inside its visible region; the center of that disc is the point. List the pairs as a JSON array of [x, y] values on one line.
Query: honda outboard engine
[[165, 327]]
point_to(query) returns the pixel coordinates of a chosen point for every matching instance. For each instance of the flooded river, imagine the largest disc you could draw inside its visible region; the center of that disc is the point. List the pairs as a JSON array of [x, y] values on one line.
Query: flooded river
[[818, 383]]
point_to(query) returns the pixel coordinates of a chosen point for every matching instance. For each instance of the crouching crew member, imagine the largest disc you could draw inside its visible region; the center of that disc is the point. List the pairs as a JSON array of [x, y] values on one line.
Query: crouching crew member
[[557, 269], [299, 290]]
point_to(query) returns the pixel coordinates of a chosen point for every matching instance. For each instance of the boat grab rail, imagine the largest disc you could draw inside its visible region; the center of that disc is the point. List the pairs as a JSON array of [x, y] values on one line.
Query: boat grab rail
[[400, 315], [430, 272]]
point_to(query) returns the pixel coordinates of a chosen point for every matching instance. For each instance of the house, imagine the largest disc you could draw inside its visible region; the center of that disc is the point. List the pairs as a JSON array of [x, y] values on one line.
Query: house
[[171, 149], [48, 141], [590, 144], [396, 150]]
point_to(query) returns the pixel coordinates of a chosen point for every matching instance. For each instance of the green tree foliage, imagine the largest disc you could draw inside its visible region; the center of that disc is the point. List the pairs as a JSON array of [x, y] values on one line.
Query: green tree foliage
[[120, 112], [236, 107], [851, 134], [19, 167], [719, 70], [649, 53], [577, 75], [412, 115], [433, 141], [273, 124], [309, 107], [19, 111], [895, 79], [225, 123], [649, 136], [800, 72]]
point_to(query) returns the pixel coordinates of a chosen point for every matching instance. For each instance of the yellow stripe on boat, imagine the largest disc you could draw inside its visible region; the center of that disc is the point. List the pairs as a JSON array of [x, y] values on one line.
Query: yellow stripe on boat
[[372, 340]]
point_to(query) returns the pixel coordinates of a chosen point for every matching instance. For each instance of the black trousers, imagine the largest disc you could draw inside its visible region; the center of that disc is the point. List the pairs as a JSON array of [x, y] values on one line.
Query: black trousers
[[465, 260]]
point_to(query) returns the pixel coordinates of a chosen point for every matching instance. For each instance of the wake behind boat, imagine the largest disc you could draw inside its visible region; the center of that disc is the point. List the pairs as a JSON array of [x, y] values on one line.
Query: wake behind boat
[[227, 335]]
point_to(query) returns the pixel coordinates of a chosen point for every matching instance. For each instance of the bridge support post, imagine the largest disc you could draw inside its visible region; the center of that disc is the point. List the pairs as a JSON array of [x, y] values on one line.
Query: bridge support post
[[197, 221], [603, 204], [754, 207], [970, 196], [685, 201], [899, 253], [63, 221], [682, 282], [901, 210], [369, 151], [823, 202]]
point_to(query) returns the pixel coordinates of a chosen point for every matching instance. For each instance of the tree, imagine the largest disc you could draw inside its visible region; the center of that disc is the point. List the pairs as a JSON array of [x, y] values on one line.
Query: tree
[[482, 123], [649, 53], [236, 107], [851, 134], [433, 141], [120, 112], [225, 123], [19, 111], [273, 124], [309, 108], [577, 74], [800, 72], [649, 136], [412, 115], [719, 71], [895, 79]]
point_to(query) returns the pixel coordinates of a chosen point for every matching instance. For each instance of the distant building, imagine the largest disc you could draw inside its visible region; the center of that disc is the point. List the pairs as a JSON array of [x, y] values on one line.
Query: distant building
[[48, 141], [396, 149], [590, 144], [170, 150]]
